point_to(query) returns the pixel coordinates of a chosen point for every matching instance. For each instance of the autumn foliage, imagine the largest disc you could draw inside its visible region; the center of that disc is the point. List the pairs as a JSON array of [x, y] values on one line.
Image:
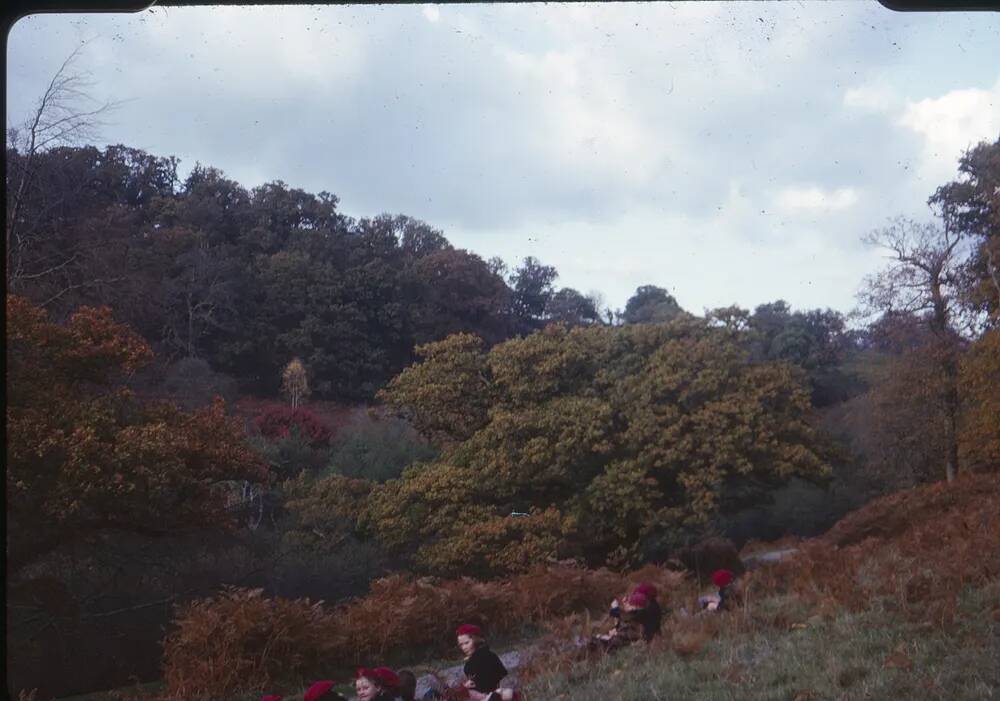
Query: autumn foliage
[[979, 429], [917, 549], [282, 421], [242, 640], [84, 457], [582, 442]]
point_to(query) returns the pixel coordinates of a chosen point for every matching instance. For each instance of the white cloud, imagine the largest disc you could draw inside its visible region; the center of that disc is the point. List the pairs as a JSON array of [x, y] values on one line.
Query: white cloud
[[950, 124], [432, 13], [588, 122], [871, 98], [815, 200]]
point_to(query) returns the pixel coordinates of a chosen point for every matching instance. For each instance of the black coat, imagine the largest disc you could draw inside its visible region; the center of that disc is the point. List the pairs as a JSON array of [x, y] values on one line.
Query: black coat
[[485, 669], [650, 618]]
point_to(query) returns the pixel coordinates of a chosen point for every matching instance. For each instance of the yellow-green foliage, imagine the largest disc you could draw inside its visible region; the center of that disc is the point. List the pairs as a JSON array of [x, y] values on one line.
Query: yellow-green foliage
[[601, 435], [498, 543], [323, 511], [448, 392]]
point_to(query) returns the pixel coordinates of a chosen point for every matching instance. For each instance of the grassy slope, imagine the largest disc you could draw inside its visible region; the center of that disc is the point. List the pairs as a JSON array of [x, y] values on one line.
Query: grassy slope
[[870, 655], [900, 600]]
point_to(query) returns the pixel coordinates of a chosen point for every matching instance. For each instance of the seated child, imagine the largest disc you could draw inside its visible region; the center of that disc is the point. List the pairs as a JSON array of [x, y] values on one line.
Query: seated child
[[628, 628]]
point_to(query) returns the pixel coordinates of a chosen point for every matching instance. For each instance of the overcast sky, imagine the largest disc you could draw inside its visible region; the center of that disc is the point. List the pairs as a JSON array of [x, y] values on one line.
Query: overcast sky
[[732, 153]]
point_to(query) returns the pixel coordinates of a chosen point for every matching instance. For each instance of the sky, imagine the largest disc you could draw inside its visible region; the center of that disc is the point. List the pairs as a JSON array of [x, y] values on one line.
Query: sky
[[732, 153]]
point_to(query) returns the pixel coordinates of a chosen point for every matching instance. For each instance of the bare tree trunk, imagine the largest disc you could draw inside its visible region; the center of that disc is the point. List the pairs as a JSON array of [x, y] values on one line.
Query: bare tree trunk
[[58, 119], [951, 419], [949, 371]]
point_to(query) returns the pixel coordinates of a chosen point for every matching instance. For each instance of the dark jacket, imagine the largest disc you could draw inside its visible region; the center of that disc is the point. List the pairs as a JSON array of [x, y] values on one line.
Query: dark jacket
[[725, 599], [650, 618], [628, 629], [485, 669]]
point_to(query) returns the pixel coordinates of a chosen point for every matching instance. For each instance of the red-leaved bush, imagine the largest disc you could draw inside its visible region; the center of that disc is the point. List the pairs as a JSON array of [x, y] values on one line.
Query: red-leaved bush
[[281, 421]]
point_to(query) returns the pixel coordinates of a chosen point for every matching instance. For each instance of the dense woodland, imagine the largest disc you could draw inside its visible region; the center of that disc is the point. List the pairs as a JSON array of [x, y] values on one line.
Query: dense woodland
[[209, 385]]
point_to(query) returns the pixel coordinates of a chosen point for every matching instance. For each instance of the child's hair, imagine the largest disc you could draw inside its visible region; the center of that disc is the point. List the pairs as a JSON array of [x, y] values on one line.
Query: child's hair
[[407, 684]]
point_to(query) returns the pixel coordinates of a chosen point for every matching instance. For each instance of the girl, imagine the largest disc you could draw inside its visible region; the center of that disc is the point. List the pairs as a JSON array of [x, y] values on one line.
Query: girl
[[629, 626], [370, 686], [650, 617], [483, 669]]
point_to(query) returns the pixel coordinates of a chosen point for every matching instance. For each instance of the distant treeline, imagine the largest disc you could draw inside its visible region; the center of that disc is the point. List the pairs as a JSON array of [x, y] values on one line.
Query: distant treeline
[[246, 279]]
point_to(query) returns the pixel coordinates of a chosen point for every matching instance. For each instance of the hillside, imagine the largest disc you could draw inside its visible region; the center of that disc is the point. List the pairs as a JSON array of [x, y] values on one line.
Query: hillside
[[900, 598]]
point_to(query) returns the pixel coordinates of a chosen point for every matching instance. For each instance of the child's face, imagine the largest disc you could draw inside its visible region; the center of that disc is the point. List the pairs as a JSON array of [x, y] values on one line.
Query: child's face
[[466, 644], [366, 690]]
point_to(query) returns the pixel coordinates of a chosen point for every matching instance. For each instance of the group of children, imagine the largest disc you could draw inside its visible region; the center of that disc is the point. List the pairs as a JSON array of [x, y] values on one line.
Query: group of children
[[638, 617]]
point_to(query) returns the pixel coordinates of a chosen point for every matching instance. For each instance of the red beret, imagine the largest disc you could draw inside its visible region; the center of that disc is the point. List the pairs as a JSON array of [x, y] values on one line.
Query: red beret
[[722, 578], [389, 678], [646, 589], [317, 690], [470, 630], [369, 674], [638, 599]]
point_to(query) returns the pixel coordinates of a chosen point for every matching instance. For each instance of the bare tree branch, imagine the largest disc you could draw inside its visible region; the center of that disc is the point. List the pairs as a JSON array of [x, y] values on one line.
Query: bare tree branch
[[59, 118]]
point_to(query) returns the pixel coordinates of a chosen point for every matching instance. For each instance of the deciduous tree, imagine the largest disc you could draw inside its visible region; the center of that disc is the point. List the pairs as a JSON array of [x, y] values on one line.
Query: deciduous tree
[[922, 279], [631, 431], [84, 458]]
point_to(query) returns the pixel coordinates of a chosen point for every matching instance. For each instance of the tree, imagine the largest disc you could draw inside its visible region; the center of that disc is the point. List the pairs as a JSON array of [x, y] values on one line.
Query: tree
[[294, 382], [632, 431], [85, 459], [651, 305], [979, 431], [447, 395], [416, 238], [59, 118], [454, 291], [814, 340], [570, 307], [922, 279], [970, 207], [200, 300], [532, 289]]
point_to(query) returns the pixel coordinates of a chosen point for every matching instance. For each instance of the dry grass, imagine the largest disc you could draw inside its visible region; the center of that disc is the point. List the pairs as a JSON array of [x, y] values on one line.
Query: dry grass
[[913, 551], [241, 640]]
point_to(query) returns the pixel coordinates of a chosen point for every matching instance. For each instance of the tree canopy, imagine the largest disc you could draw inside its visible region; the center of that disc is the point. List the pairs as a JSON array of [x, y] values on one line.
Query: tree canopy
[[631, 431], [85, 458]]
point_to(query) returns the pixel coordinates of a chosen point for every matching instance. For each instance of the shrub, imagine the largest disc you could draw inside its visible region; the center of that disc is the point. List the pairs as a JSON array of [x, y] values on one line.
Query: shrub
[[324, 511], [283, 422], [290, 455], [377, 449], [243, 641]]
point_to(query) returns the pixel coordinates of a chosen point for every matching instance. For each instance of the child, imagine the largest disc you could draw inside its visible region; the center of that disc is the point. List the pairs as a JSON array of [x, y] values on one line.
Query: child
[[483, 669], [370, 685], [629, 625], [722, 601], [407, 685]]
